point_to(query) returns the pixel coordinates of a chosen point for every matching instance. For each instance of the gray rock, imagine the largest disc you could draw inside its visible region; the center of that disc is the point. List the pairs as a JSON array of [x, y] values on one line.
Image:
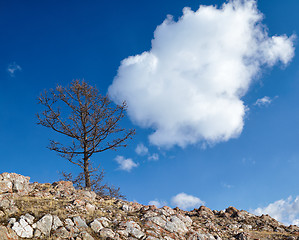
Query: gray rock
[[28, 218], [68, 222], [176, 225], [79, 222], [18, 186], [88, 195], [23, 229], [86, 236], [37, 233], [11, 222], [104, 221], [90, 208], [149, 214], [152, 233], [135, 232], [158, 220], [96, 226], [201, 236], [12, 182], [170, 227], [56, 222], [62, 233], [107, 232], [45, 224], [168, 238], [186, 219], [133, 229], [151, 238], [70, 226], [132, 224], [5, 186], [127, 208], [123, 232]]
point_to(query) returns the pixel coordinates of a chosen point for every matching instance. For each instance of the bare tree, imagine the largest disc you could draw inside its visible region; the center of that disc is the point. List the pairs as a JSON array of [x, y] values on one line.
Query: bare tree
[[97, 185], [91, 120]]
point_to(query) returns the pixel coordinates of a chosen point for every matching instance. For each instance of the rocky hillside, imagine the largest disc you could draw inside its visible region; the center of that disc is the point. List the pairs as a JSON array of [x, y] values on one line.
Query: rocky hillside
[[58, 211]]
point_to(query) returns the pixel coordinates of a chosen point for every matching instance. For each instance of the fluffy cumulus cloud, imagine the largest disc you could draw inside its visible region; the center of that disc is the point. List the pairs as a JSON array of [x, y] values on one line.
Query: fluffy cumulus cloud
[[12, 68], [188, 86], [186, 202], [125, 164], [141, 149], [284, 210]]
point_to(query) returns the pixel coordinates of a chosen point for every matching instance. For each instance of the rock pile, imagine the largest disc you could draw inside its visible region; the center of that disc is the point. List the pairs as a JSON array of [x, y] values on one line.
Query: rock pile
[[58, 211]]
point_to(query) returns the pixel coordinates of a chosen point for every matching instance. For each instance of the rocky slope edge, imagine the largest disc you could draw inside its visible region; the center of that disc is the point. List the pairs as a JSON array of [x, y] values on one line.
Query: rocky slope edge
[[59, 211]]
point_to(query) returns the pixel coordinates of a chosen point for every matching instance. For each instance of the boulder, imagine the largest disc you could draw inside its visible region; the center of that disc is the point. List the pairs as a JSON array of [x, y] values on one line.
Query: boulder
[[62, 233], [5, 186], [104, 221], [176, 225], [28, 218], [96, 226], [86, 236], [79, 222], [13, 182], [45, 224], [134, 229], [107, 232], [23, 229], [56, 222]]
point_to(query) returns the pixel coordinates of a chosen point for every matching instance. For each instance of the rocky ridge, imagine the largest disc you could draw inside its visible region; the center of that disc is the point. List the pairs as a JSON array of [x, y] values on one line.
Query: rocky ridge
[[59, 211]]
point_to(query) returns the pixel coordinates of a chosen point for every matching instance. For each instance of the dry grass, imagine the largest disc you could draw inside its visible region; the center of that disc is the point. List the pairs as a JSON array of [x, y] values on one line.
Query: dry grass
[[38, 207], [269, 235], [63, 208]]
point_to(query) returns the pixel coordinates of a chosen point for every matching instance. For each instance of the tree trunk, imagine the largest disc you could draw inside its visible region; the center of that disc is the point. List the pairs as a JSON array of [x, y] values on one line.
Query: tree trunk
[[87, 173]]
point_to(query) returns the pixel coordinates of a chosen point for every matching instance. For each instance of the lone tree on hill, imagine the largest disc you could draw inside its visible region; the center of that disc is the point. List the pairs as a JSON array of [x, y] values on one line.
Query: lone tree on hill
[[90, 119]]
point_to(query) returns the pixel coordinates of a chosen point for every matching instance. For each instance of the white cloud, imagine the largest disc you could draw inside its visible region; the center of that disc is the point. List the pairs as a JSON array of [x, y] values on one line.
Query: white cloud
[[188, 87], [157, 203], [141, 149], [125, 164], [285, 211], [153, 157], [186, 202], [12, 68], [265, 101]]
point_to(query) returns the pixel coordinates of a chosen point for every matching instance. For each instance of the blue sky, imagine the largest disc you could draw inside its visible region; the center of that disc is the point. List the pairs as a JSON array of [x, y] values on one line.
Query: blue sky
[[245, 155]]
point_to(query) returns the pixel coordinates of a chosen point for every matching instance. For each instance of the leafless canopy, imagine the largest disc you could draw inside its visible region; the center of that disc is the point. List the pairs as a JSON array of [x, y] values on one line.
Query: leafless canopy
[[90, 119]]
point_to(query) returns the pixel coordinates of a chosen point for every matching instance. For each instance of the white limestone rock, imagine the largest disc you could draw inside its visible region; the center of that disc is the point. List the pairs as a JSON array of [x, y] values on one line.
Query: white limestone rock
[[23, 229], [28, 218], [86, 236], [79, 222], [96, 226], [45, 224], [56, 222], [62, 233], [107, 232], [104, 221]]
